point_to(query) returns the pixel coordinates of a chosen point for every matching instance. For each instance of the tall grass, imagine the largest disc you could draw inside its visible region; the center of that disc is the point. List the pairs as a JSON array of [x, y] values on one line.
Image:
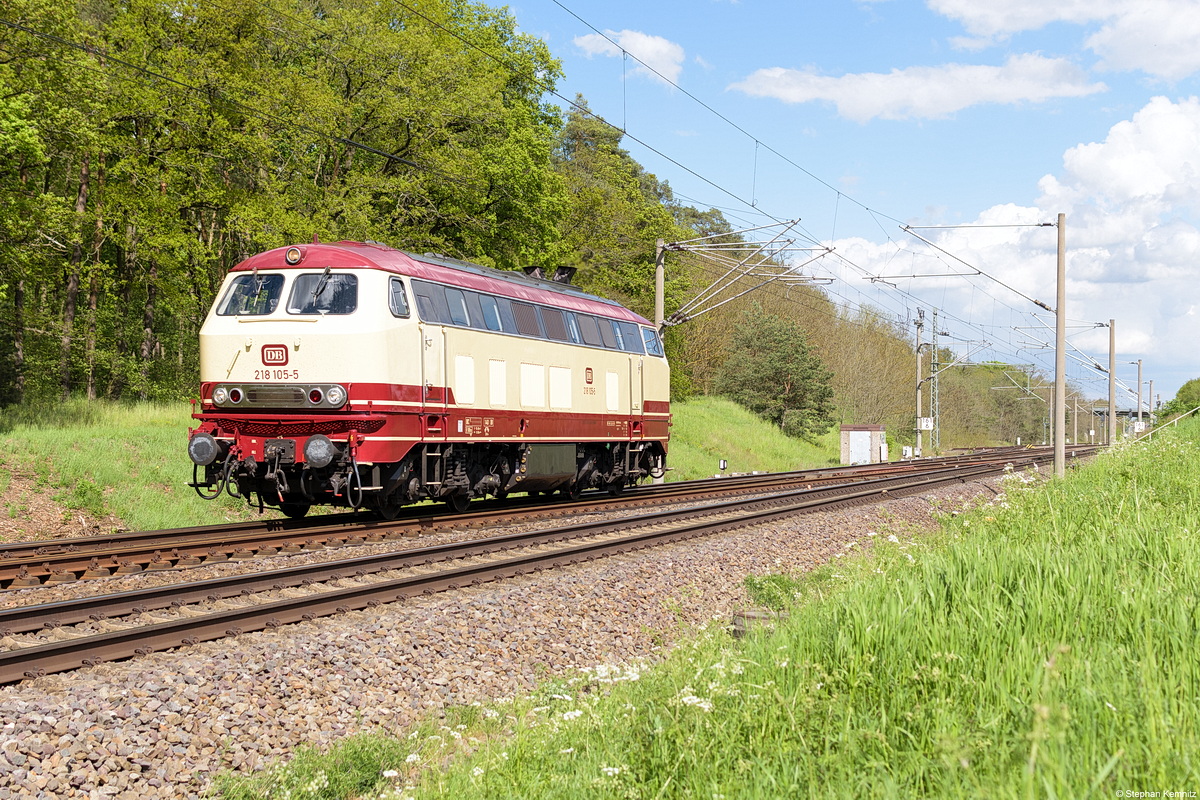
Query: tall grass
[[131, 461], [708, 429], [106, 458], [1041, 646], [1045, 646]]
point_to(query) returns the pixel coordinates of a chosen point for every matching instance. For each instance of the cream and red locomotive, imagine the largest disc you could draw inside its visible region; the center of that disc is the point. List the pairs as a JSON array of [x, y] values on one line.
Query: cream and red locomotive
[[353, 374]]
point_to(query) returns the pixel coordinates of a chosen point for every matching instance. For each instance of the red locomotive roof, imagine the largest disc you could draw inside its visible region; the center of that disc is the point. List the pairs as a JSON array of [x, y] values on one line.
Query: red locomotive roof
[[372, 255]]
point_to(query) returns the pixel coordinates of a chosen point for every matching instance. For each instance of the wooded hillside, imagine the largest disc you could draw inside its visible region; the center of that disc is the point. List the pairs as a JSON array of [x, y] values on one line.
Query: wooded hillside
[[147, 146]]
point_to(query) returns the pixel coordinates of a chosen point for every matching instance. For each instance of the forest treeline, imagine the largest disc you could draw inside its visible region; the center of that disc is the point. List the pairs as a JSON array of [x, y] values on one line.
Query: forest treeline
[[148, 146]]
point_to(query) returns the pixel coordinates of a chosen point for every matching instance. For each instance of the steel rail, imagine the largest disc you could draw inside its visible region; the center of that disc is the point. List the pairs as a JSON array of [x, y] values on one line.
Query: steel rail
[[427, 515], [88, 650], [27, 564], [22, 619]]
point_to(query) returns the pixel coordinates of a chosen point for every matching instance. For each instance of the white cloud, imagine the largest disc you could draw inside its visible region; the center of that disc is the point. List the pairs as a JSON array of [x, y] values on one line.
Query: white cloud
[[1155, 36], [925, 92], [1158, 37], [660, 55], [1000, 18], [1132, 203]]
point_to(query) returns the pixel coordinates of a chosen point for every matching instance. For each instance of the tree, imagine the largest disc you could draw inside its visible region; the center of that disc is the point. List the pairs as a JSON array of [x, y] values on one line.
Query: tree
[[1187, 398], [772, 371]]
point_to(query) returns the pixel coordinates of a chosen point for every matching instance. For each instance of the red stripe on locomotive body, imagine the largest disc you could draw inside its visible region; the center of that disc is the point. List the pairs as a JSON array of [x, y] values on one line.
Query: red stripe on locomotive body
[[386, 435], [359, 255]]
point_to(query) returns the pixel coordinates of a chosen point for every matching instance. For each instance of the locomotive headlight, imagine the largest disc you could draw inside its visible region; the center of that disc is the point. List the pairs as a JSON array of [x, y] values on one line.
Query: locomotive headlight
[[202, 449], [336, 396], [220, 395], [319, 451], [235, 395], [315, 396]]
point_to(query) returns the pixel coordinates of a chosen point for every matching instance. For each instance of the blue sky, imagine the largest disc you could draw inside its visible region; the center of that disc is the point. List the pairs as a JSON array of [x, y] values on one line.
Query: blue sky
[[859, 117]]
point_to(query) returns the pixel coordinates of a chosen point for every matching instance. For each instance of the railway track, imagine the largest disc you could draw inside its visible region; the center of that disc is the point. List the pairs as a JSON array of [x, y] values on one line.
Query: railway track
[[31, 564], [66, 635]]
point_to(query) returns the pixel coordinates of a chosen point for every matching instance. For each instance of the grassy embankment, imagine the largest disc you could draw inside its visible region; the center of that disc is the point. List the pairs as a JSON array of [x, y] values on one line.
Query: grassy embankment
[[131, 461], [1041, 646]]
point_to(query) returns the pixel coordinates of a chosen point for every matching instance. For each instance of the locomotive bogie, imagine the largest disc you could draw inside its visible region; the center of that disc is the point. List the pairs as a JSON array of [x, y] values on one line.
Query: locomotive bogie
[[418, 378]]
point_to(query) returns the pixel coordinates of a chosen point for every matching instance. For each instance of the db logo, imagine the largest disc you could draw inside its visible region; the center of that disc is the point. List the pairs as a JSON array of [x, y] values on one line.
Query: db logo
[[587, 375], [274, 355]]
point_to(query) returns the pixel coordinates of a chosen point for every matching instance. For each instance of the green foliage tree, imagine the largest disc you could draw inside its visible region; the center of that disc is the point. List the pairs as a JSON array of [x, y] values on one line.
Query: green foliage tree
[[1187, 398], [615, 215], [147, 146], [772, 371]]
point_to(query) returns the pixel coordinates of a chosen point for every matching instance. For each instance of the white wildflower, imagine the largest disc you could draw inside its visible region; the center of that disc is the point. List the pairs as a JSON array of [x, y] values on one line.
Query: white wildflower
[[412, 757], [567, 751], [576, 714], [699, 702]]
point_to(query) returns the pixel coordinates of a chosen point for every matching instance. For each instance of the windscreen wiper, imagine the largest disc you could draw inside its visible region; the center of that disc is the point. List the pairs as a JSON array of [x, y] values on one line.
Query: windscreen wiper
[[321, 284]]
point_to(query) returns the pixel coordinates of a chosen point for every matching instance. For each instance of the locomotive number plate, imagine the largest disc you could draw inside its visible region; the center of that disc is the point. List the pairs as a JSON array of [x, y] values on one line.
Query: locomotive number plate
[[276, 374]]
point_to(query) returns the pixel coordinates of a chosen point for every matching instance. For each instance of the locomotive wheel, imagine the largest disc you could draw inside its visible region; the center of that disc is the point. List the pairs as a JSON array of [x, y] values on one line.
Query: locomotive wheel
[[458, 502], [294, 510], [571, 491], [389, 510], [616, 487]]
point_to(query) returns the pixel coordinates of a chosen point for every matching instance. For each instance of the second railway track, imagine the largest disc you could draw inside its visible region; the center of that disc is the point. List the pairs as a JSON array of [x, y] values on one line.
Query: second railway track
[[31, 564], [122, 625]]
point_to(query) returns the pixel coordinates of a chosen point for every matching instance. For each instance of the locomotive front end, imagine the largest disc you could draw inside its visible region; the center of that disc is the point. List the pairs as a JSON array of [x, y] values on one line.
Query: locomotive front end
[[288, 357]]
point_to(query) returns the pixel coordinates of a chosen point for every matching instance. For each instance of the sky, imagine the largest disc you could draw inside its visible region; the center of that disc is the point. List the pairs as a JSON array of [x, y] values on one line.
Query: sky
[[928, 145]]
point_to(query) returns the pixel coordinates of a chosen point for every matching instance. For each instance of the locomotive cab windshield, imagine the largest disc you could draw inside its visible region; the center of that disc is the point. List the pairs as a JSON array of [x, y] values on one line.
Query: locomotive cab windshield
[[324, 293], [252, 295]]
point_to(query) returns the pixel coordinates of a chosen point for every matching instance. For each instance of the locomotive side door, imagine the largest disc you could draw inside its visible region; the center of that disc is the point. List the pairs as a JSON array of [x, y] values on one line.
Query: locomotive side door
[[636, 392], [433, 379]]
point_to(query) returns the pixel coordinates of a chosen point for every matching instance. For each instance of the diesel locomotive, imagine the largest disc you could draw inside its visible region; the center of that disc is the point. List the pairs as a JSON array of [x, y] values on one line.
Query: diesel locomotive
[[353, 374]]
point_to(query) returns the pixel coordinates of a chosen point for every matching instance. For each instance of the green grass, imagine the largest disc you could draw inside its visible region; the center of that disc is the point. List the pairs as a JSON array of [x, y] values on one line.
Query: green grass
[[126, 460], [1041, 646], [708, 429], [131, 460]]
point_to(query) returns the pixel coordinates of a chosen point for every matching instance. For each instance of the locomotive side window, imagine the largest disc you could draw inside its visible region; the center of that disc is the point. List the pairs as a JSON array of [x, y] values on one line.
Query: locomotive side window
[[506, 314], [556, 329], [475, 311], [431, 302], [590, 330], [573, 327], [324, 293], [617, 334], [252, 295], [448, 305], [527, 320], [627, 337], [491, 313], [397, 299], [607, 333], [653, 343], [457, 303]]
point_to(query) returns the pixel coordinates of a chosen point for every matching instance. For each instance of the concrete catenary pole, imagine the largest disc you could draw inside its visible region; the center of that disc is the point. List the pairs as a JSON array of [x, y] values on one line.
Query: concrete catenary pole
[[660, 253], [920, 323], [1060, 355], [1139, 411], [1150, 402], [1112, 381]]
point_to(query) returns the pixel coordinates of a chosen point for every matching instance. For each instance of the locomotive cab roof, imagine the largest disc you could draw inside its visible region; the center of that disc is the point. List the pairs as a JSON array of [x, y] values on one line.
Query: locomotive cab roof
[[437, 268]]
